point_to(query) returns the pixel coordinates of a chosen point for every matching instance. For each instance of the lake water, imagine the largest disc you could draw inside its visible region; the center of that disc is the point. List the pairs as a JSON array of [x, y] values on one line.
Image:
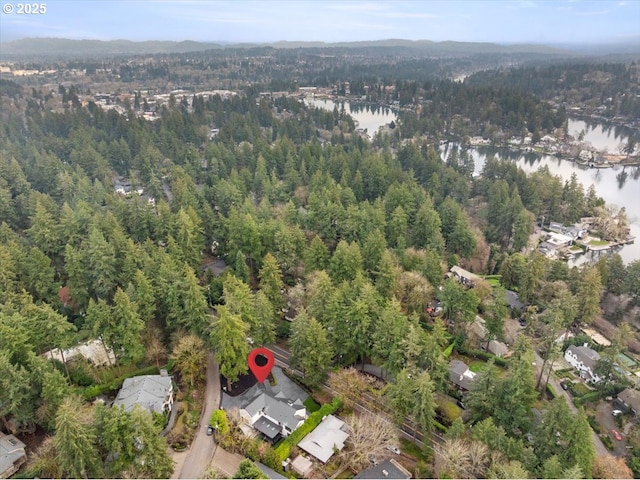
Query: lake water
[[369, 117], [604, 138], [617, 186], [613, 187]]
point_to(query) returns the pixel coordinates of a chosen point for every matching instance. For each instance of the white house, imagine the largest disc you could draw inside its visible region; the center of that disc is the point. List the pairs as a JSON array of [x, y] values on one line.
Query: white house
[[584, 360]]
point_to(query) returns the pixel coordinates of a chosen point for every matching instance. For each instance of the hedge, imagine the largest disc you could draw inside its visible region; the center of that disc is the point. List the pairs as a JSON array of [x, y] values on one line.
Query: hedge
[[283, 449], [551, 391], [110, 387], [482, 355]]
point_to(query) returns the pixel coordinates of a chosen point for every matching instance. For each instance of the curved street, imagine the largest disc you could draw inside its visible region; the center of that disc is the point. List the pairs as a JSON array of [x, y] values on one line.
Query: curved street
[[202, 449]]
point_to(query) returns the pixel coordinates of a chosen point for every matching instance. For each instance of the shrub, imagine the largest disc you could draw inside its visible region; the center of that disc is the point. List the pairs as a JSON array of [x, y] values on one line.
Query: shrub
[[606, 440], [589, 397], [448, 351]]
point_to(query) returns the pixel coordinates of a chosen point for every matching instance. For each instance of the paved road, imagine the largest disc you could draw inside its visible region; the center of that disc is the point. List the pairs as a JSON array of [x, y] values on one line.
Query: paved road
[[601, 450], [203, 447]]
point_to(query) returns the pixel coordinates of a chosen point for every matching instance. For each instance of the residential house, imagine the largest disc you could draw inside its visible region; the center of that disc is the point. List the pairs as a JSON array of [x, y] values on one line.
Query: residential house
[[273, 415], [390, 468], [583, 359], [270, 473], [326, 439], [596, 337], [93, 351], [12, 455], [497, 348], [151, 392], [477, 330], [558, 240], [464, 277], [629, 399], [513, 300], [460, 375]]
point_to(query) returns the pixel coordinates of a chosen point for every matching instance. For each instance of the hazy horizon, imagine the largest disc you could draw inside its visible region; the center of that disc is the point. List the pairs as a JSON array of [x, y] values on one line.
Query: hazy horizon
[[568, 22]]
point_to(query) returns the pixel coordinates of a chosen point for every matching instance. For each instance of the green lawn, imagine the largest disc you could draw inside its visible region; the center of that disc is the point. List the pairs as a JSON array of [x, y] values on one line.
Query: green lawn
[[598, 243], [477, 365], [580, 389]]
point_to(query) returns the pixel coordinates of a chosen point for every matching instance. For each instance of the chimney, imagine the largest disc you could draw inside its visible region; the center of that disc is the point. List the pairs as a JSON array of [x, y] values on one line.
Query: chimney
[[385, 473]]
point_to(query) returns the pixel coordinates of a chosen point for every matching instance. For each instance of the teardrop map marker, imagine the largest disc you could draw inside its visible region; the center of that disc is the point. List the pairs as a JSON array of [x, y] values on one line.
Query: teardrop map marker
[[261, 362]]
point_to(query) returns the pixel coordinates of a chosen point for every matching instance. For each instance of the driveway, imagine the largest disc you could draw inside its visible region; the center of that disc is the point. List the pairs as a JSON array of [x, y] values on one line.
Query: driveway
[[607, 421], [601, 450], [203, 447]]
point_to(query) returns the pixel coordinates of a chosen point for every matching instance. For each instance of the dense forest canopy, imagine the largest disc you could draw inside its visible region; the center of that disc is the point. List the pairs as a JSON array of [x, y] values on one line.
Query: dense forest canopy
[[109, 223]]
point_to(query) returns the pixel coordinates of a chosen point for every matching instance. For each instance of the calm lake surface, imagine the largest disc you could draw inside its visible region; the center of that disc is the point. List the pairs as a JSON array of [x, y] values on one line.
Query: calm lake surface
[[604, 138], [369, 117], [619, 186]]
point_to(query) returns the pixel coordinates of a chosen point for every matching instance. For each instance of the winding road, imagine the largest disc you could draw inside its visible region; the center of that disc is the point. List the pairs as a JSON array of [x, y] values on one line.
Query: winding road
[[203, 447]]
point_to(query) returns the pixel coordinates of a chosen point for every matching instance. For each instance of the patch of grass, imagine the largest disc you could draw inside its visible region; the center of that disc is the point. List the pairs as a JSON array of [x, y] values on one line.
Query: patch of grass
[[580, 389], [476, 366], [598, 243], [311, 405]]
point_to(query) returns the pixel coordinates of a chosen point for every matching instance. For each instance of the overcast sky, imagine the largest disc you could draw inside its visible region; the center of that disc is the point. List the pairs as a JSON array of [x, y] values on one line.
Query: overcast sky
[[505, 21]]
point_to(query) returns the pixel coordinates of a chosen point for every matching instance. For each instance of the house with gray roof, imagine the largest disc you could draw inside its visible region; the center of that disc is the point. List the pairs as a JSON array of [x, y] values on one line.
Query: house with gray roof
[[12, 455], [629, 398], [583, 359], [273, 415], [151, 392], [460, 375], [390, 468], [326, 439]]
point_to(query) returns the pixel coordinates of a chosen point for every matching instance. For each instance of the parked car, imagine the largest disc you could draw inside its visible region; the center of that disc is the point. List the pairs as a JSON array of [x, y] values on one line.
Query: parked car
[[393, 449], [615, 413], [563, 385], [461, 404], [209, 430], [616, 435]]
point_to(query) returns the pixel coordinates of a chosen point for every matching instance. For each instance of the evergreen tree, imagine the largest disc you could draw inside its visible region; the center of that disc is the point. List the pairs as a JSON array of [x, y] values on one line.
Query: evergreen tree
[[229, 341], [311, 351], [75, 440]]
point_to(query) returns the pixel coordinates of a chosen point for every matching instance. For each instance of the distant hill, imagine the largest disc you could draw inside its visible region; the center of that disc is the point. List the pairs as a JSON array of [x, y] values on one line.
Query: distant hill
[[60, 47]]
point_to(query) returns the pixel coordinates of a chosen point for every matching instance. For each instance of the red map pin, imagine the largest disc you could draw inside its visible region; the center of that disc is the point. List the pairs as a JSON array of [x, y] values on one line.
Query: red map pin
[[260, 363]]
